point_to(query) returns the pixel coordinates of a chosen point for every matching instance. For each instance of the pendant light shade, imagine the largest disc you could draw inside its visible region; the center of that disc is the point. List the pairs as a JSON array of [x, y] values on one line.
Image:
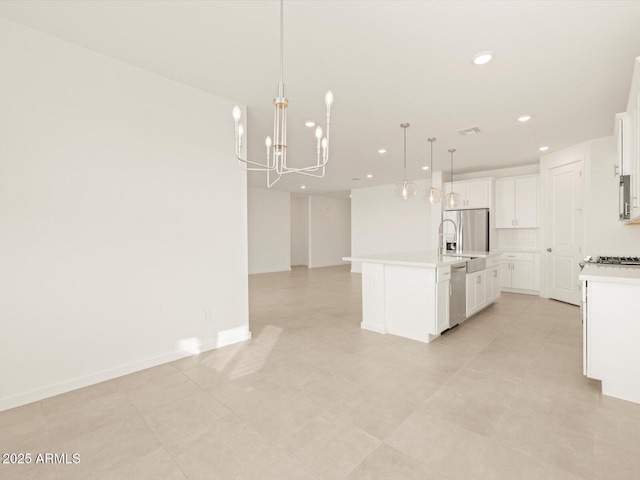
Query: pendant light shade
[[432, 195], [451, 199], [405, 189]]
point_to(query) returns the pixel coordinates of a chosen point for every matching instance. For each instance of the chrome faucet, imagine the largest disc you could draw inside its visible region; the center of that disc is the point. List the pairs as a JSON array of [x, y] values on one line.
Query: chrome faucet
[[458, 229]]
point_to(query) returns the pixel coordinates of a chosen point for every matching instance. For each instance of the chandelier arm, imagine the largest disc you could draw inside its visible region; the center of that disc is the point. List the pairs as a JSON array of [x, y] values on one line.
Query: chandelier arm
[[309, 174], [260, 166], [311, 168], [269, 182]]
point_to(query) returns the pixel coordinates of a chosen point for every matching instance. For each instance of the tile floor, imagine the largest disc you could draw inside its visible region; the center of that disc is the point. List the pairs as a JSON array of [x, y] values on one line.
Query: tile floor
[[313, 396]]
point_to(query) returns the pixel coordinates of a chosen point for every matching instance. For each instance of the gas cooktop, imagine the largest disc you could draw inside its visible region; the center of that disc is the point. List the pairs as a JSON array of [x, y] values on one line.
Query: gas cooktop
[[626, 261]]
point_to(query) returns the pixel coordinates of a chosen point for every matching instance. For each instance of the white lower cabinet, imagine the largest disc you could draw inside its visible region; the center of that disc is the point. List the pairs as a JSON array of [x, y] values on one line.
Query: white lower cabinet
[[492, 283], [443, 293], [519, 271], [483, 288]]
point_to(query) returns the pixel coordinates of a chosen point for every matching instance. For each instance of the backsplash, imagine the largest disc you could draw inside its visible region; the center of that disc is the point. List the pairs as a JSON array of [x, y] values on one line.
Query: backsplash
[[517, 239]]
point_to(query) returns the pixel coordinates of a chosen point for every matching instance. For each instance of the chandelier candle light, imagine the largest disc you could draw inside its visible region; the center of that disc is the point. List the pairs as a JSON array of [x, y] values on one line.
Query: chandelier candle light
[[276, 163], [431, 194], [405, 189], [451, 199]]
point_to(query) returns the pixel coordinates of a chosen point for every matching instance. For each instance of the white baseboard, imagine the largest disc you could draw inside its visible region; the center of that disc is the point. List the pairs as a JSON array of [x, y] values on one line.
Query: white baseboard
[[373, 328], [517, 290], [224, 338]]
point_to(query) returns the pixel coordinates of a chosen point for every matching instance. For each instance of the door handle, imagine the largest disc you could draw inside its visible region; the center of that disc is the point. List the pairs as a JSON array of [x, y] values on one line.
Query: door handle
[[549, 250]]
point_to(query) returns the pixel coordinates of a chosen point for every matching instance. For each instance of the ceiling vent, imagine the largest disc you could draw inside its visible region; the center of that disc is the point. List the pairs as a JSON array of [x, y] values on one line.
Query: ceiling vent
[[469, 131]]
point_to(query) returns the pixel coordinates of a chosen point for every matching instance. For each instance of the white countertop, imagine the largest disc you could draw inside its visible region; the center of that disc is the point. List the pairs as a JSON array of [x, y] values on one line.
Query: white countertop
[[610, 274], [419, 259]]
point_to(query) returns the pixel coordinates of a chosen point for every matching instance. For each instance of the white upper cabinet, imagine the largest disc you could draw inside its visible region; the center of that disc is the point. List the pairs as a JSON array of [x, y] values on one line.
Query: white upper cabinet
[[633, 138], [516, 202], [623, 137], [473, 193]]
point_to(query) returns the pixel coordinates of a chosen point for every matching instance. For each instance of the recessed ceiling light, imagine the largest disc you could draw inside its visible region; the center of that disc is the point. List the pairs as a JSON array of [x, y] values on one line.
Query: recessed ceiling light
[[426, 167], [303, 187], [309, 124], [543, 149], [482, 58], [524, 118], [349, 195], [381, 151], [369, 175]]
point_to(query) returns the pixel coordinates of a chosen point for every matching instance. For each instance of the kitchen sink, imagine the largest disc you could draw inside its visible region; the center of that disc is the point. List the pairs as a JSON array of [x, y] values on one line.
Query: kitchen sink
[[474, 264]]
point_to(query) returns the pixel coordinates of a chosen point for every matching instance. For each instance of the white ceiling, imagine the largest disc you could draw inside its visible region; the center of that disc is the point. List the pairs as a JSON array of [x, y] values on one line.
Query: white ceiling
[[568, 64]]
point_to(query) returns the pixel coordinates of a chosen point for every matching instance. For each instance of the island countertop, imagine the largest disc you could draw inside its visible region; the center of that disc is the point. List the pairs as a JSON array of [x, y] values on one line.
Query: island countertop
[[427, 258], [610, 274]]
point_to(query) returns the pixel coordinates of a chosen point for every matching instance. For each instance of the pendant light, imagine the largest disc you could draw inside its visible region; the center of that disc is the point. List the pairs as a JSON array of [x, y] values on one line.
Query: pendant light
[[405, 189], [432, 194], [451, 199], [276, 161]]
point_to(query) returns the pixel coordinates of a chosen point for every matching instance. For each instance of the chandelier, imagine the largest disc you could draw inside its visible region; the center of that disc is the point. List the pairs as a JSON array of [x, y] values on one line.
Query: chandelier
[[276, 162], [405, 189]]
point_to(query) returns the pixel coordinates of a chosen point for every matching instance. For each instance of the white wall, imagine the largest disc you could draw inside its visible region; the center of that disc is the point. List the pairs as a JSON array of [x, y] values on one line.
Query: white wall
[[604, 234], [269, 225], [500, 172], [329, 231], [299, 230], [122, 219], [382, 223]]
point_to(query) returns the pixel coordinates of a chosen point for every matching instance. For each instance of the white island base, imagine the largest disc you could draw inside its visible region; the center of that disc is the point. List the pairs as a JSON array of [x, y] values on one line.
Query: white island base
[[403, 301], [408, 294]]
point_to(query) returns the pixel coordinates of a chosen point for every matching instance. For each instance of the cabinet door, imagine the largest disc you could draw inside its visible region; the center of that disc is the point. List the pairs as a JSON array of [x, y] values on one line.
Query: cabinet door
[[492, 284], [477, 194], [495, 282], [472, 304], [505, 274], [526, 202], [635, 148], [481, 294], [442, 306], [504, 213], [522, 275]]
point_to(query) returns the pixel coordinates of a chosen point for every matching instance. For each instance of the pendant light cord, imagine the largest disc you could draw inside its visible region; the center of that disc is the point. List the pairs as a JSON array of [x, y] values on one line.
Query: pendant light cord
[[281, 39], [404, 149], [451, 152]]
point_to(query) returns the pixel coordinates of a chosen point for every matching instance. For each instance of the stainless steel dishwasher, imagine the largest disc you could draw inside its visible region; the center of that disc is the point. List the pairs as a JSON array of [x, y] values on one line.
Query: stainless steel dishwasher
[[458, 298]]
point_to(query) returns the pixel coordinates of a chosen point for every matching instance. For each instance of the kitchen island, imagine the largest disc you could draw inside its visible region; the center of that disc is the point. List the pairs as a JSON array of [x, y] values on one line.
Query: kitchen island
[[611, 328], [408, 294]]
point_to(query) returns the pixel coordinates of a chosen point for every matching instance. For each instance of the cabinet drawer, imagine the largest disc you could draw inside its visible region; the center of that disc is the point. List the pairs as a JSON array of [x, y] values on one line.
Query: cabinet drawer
[[525, 257], [443, 274]]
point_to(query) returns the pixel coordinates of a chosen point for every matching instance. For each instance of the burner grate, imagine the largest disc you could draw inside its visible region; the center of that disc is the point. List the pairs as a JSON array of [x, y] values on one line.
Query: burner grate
[[618, 260]]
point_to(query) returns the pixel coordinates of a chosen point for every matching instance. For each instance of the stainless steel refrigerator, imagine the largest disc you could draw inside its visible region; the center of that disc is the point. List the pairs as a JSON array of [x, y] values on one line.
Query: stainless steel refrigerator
[[475, 229]]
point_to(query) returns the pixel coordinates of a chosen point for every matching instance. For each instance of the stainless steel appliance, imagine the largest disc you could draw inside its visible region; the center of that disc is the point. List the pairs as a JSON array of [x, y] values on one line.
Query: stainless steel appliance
[[625, 197], [458, 298], [618, 261], [474, 225]]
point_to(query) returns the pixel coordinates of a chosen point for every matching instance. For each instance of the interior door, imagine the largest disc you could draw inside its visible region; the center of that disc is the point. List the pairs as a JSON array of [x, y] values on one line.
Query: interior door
[[564, 233]]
